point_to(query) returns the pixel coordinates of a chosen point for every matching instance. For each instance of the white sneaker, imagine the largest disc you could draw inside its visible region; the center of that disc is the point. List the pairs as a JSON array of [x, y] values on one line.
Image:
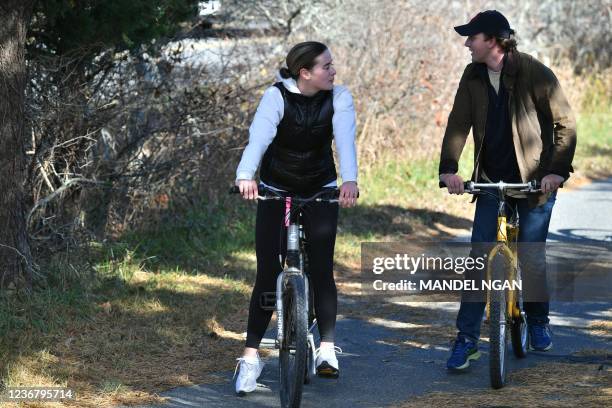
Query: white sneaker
[[326, 361], [249, 369]]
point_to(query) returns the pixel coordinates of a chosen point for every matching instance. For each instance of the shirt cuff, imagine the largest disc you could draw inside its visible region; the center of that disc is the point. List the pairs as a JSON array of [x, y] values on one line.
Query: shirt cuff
[[244, 175]]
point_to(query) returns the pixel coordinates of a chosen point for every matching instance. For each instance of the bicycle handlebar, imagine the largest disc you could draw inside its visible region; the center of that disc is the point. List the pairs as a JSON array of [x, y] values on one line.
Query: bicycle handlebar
[[281, 195], [471, 187]]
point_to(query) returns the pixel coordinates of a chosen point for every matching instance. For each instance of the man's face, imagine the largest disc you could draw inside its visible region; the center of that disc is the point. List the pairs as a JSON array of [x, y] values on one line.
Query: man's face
[[321, 76], [479, 46]]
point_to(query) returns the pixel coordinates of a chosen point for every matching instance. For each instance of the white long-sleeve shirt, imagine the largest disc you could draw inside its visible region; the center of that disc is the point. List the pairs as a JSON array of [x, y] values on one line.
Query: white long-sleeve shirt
[[270, 113]]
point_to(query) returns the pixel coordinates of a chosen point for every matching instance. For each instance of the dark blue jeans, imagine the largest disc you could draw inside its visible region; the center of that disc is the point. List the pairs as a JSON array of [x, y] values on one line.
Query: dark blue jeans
[[534, 224]]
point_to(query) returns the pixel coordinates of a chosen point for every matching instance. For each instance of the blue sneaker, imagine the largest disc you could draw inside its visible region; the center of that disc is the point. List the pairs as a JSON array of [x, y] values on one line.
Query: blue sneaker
[[540, 337], [463, 351]]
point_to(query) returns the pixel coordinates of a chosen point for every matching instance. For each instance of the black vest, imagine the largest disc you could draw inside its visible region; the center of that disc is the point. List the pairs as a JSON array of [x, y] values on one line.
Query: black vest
[[300, 158]]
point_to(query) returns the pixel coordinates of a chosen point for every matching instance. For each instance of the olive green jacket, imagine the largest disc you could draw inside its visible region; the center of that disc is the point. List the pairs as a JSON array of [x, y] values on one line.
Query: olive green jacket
[[543, 125]]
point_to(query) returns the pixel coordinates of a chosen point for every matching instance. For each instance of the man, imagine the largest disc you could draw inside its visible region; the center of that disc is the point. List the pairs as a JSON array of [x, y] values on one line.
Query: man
[[523, 129]]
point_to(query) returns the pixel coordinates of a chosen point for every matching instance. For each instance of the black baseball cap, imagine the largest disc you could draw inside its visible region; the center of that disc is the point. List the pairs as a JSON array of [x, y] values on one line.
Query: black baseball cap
[[490, 22]]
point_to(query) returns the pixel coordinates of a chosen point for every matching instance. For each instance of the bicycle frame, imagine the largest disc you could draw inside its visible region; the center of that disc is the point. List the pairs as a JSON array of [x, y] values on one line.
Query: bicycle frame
[[507, 236]]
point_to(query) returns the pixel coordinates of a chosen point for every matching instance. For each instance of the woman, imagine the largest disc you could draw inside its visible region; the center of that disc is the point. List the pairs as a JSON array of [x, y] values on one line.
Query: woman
[[292, 132]]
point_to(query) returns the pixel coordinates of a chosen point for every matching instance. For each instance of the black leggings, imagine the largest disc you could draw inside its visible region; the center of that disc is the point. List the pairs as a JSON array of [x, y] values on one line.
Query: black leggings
[[320, 221]]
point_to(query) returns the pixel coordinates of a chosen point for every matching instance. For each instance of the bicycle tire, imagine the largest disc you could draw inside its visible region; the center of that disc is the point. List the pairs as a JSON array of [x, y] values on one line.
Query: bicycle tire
[[520, 337], [311, 313], [497, 323], [519, 334], [307, 375], [293, 352]]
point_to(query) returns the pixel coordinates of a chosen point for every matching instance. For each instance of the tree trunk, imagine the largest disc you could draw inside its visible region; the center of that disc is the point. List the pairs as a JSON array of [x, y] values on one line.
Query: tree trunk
[[15, 256]]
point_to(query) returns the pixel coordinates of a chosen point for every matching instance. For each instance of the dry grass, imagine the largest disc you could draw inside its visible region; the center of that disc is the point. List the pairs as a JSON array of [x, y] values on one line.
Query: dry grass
[[176, 331], [545, 385], [601, 328]]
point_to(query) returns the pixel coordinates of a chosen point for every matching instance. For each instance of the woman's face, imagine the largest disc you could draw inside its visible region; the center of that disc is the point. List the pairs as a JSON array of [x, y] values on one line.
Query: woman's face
[[321, 75]]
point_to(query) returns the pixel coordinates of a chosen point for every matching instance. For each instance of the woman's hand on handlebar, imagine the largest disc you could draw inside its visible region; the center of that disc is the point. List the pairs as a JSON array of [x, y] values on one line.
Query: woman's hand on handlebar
[[248, 189], [348, 194], [454, 183]]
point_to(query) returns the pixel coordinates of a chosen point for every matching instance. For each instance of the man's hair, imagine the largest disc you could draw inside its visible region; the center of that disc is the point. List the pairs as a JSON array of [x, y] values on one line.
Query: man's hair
[[506, 44]]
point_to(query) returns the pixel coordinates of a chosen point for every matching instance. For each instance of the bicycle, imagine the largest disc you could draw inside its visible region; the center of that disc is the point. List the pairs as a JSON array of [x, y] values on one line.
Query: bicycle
[[504, 306], [293, 299]]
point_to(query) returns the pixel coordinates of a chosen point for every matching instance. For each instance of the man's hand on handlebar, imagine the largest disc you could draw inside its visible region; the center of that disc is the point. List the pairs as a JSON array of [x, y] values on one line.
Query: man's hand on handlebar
[[453, 182], [551, 183], [248, 189]]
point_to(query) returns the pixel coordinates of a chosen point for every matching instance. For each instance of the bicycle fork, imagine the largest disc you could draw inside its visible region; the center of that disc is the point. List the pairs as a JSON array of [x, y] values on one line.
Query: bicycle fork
[[507, 233]]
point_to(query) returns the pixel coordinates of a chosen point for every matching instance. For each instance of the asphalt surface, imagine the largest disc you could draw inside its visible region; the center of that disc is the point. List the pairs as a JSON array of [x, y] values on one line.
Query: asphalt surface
[[375, 372]]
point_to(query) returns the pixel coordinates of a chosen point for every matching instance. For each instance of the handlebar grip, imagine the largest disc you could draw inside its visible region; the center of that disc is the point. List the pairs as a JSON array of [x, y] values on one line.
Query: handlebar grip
[[236, 190]]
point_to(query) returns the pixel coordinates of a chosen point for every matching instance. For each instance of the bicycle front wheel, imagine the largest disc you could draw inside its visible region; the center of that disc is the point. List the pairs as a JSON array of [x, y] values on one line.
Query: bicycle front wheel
[[498, 323], [518, 328], [293, 352], [519, 336]]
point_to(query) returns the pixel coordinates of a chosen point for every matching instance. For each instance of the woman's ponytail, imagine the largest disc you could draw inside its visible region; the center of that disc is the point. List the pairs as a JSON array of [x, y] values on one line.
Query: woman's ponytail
[[285, 73]]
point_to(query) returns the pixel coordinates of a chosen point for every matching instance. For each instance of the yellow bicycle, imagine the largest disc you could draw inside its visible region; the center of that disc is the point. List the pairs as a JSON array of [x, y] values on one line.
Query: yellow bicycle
[[504, 311]]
